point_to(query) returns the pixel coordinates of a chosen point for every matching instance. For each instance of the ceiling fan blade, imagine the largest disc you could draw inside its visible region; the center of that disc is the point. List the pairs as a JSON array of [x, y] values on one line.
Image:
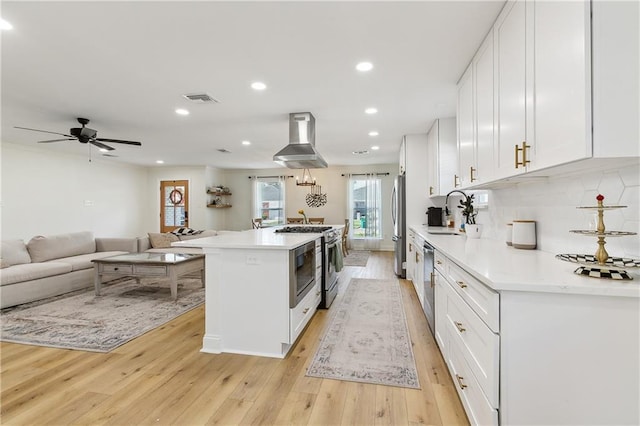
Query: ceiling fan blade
[[102, 146], [109, 155], [119, 141], [56, 140], [43, 131]]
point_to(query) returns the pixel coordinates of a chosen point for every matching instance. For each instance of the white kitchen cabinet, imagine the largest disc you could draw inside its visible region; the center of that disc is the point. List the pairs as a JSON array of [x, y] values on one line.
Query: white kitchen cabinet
[[531, 356], [416, 177], [442, 156], [411, 255], [466, 134], [476, 117]]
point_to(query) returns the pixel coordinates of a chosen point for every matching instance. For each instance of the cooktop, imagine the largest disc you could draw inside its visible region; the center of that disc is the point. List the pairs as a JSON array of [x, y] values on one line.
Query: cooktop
[[303, 229]]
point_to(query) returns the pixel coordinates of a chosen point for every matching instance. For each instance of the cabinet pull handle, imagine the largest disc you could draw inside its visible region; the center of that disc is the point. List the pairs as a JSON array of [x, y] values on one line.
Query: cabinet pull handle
[[459, 326], [431, 190], [438, 262], [417, 257], [433, 280], [455, 181], [471, 171], [410, 247], [318, 293], [461, 284], [524, 155], [305, 310], [460, 383]]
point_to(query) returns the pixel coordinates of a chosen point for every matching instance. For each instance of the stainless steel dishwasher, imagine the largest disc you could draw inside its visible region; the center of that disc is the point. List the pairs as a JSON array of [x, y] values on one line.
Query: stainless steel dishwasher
[[429, 286]]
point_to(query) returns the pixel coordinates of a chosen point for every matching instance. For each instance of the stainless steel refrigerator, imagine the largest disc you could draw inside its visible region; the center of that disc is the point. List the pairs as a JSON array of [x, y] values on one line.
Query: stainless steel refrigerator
[[398, 215]]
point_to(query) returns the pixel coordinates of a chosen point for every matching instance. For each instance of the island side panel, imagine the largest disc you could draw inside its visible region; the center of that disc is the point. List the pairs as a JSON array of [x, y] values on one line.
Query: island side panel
[[247, 301], [569, 359]]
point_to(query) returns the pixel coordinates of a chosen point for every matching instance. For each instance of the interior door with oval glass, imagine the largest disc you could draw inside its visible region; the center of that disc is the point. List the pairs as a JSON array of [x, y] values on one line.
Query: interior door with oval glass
[[174, 204]]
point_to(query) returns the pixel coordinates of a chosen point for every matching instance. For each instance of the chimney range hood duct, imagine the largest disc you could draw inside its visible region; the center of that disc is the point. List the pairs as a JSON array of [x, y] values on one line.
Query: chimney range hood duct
[[301, 152]]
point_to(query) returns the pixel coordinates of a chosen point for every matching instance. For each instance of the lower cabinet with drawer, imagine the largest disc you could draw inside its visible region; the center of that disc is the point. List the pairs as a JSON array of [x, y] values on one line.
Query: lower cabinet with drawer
[[302, 313], [471, 348], [539, 358]]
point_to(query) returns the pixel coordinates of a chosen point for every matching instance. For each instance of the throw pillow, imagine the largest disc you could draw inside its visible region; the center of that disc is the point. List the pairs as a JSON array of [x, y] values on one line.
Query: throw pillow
[[14, 252], [186, 231], [158, 240]]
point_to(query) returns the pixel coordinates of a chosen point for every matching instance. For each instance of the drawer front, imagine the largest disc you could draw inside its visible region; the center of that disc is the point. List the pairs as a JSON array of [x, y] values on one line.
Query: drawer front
[[483, 300], [477, 407], [479, 345], [441, 313], [440, 262], [302, 313], [117, 269], [157, 270]]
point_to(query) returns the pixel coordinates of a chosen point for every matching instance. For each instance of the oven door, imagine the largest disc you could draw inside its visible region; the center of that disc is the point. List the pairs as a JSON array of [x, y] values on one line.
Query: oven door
[[302, 272]]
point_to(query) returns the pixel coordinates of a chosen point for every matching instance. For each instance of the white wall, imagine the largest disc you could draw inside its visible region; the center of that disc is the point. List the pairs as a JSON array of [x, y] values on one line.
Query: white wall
[[333, 184], [45, 193], [552, 203]]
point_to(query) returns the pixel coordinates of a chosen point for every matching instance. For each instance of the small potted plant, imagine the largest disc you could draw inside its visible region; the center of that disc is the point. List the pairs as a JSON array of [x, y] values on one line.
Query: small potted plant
[[468, 211]]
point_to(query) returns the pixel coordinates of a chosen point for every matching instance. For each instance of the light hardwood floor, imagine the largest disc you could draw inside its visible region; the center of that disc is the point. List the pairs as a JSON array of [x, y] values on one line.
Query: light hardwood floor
[[162, 378]]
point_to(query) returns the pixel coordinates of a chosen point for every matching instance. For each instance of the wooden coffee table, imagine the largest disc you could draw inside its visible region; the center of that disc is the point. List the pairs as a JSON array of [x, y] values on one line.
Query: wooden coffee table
[[149, 265]]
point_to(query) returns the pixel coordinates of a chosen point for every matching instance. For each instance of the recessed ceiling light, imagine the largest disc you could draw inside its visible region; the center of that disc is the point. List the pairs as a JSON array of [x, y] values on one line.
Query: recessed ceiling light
[[364, 66], [371, 110], [5, 25], [258, 85], [373, 133], [182, 111], [159, 162], [375, 147], [246, 142]]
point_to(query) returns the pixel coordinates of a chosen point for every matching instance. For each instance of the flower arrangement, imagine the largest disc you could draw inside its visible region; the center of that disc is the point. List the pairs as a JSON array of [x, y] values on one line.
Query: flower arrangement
[[304, 216], [467, 209]]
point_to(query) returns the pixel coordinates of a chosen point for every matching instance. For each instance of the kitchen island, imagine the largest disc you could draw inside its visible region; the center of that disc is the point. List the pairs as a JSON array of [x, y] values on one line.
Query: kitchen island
[[530, 342], [247, 301]]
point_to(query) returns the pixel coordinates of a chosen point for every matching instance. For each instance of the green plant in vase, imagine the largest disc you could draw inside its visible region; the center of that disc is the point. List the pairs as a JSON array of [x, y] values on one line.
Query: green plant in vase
[[468, 210]]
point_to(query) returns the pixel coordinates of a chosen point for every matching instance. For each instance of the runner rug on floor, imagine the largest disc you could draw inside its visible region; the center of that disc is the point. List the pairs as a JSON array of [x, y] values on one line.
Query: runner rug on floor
[[81, 320], [367, 339], [356, 258]]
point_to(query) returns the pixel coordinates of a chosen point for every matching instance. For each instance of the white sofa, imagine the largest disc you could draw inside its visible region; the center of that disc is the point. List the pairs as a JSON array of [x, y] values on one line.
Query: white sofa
[[51, 265]]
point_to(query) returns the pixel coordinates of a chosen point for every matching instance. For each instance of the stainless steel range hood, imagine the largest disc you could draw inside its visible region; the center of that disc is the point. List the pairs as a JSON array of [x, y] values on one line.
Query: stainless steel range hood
[[301, 152]]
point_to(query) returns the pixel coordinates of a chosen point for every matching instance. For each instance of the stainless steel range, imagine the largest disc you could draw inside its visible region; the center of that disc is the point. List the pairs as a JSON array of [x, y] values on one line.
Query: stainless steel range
[[330, 239]]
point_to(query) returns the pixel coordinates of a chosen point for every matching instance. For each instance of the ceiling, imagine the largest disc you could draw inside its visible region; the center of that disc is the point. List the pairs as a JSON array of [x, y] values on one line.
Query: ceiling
[[127, 65]]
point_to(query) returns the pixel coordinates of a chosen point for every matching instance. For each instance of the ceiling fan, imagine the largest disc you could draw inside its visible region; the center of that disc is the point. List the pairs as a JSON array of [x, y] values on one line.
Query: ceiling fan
[[83, 135]]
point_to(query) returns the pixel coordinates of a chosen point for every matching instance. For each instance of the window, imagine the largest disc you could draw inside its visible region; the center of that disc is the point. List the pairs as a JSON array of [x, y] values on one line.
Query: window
[[268, 200], [365, 205]]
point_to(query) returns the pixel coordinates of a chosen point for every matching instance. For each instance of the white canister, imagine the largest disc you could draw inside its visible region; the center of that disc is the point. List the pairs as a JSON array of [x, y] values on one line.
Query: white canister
[[524, 234], [509, 233]]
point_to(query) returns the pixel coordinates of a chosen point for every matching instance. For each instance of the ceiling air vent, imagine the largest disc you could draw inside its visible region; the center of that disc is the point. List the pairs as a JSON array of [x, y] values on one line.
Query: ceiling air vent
[[201, 98], [224, 151]]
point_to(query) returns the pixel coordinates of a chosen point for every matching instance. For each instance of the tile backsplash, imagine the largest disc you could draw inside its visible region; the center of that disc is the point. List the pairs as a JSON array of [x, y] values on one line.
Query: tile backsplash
[[552, 203]]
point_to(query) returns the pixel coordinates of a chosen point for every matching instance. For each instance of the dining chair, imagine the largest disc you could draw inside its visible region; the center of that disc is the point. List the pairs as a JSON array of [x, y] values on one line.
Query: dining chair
[[345, 234], [295, 220], [316, 220], [256, 223]]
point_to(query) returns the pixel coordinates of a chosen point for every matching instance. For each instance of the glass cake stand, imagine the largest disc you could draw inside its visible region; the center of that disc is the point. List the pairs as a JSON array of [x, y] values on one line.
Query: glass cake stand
[[601, 265]]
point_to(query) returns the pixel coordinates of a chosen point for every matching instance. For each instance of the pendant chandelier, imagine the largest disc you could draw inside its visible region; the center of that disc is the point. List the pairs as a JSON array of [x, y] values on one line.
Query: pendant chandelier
[[306, 179]]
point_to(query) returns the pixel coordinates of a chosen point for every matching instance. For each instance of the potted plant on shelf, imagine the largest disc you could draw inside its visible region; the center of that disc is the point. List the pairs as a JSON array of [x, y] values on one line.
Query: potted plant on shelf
[[472, 229]]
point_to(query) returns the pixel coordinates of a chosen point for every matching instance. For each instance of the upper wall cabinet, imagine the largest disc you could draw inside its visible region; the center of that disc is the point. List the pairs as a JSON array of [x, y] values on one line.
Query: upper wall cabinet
[[543, 92], [527, 95], [442, 156], [476, 118]]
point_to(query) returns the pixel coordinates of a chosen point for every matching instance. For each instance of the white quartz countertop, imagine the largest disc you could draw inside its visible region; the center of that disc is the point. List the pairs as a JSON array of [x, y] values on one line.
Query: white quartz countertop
[[504, 268], [265, 238]]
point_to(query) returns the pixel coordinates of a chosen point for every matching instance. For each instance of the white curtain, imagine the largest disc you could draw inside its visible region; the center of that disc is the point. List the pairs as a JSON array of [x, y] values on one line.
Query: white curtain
[[365, 211]]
